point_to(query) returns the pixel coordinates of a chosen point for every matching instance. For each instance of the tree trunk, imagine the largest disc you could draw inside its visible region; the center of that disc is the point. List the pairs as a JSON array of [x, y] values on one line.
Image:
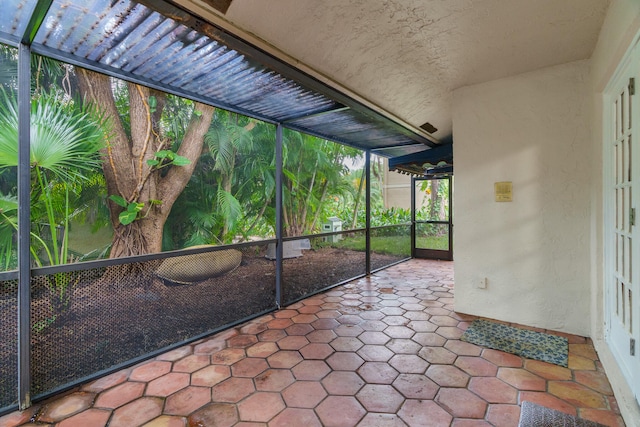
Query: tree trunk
[[125, 161], [354, 222], [433, 203]]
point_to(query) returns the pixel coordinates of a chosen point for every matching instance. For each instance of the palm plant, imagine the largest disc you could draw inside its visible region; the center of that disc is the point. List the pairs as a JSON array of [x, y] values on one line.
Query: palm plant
[[65, 144], [225, 139]]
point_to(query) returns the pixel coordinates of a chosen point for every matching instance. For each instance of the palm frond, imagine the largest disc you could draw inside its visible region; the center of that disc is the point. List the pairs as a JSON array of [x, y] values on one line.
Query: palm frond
[[64, 140]]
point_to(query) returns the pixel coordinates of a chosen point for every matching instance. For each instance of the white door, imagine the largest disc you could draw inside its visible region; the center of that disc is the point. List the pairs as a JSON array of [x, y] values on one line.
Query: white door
[[622, 217]]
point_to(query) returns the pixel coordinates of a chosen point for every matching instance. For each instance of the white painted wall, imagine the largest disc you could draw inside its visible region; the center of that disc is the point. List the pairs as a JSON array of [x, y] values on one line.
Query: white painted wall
[[620, 28], [531, 129]]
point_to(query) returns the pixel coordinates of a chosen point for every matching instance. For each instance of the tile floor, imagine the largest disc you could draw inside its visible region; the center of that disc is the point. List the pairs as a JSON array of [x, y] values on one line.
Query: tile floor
[[379, 351]]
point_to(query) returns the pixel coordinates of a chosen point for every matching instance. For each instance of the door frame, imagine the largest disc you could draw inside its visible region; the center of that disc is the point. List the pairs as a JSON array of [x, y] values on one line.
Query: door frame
[[446, 255], [624, 344]]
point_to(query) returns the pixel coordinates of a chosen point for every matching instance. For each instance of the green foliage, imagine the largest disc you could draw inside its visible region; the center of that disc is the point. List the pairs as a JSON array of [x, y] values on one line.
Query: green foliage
[[164, 158], [65, 144], [134, 210]]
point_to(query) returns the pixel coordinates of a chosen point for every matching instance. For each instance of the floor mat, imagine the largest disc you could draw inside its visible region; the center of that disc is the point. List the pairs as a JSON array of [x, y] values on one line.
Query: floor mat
[[533, 415], [523, 342]]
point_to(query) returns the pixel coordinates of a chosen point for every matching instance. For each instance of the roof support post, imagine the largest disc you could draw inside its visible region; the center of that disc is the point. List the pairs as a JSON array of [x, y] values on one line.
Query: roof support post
[[367, 166], [413, 217], [279, 243], [24, 227]]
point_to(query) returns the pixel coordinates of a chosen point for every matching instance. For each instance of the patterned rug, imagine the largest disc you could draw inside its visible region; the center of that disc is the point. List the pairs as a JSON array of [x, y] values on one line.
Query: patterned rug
[[530, 344], [533, 415]]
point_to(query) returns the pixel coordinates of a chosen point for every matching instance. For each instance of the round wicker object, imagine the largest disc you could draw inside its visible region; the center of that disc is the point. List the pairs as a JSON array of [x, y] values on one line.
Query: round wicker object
[[189, 269]]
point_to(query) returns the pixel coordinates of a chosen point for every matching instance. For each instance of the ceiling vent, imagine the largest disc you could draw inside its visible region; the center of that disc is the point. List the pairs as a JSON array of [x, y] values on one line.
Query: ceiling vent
[[219, 5], [429, 127]]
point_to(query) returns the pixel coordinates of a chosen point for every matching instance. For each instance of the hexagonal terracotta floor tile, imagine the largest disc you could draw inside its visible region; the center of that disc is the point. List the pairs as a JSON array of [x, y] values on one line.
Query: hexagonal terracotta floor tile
[[409, 364], [500, 358], [249, 367], [273, 380], [120, 395], [166, 421], [461, 403], [424, 413], [191, 363], [210, 346], [168, 384], [316, 351], [375, 353], [211, 375], [493, 390], [272, 335], [293, 342], [437, 355], [350, 410], [137, 412], [577, 394], [462, 348], [374, 337], [503, 415], [429, 339], [233, 390], [380, 398], [476, 366], [260, 407], [521, 379], [311, 370], [242, 341], [262, 349], [348, 330], [403, 346], [215, 414], [228, 356], [322, 336], [344, 383], [90, 417], [67, 406], [304, 394], [295, 417], [107, 382], [150, 371], [284, 359], [346, 344], [299, 329], [548, 371], [378, 373], [415, 386], [187, 400], [447, 376]]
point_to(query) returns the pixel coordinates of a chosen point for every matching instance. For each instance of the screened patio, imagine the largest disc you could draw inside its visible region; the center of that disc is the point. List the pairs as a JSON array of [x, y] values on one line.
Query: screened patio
[[65, 322]]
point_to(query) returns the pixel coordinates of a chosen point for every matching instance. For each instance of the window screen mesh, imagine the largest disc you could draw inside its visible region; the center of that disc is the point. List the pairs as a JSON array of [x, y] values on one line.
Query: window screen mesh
[[8, 342], [118, 313], [330, 260], [390, 245]]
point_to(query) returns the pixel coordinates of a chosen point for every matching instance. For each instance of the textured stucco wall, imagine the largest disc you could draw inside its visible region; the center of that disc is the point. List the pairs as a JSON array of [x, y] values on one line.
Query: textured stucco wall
[[531, 129]]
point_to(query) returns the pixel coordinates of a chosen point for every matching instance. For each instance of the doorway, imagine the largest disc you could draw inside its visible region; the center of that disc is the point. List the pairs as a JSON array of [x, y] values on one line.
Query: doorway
[[431, 218]]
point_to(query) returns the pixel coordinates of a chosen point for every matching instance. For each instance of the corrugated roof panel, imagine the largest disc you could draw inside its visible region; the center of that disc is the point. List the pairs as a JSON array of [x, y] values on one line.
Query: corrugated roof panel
[[133, 38], [400, 150], [181, 54], [15, 16], [353, 128]]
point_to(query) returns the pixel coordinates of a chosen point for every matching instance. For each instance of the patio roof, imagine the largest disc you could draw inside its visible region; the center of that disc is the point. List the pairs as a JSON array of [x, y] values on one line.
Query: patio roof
[[436, 161], [156, 44]]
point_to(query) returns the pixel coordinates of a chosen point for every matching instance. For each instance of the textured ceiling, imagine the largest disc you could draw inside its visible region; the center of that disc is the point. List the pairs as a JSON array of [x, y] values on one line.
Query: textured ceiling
[[407, 56]]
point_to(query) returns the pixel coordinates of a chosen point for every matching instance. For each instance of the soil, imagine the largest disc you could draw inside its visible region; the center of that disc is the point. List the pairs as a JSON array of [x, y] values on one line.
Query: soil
[[118, 314]]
